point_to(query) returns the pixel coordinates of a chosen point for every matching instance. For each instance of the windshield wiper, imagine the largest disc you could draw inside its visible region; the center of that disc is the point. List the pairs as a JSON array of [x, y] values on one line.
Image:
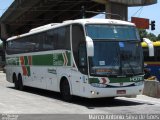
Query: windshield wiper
[[123, 57], [130, 68]]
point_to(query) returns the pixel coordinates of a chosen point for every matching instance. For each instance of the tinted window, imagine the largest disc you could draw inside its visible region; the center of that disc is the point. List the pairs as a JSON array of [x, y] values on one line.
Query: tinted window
[[112, 32], [58, 38], [146, 55], [24, 45], [48, 43], [158, 53], [77, 37], [55, 39], [63, 41]]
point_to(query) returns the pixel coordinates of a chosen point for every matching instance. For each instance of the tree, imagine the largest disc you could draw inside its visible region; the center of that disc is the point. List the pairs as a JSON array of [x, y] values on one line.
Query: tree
[[143, 33], [158, 37], [152, 37]]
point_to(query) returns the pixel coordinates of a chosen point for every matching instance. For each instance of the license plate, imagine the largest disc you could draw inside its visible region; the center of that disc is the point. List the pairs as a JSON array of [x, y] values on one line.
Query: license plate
[[121, 91]]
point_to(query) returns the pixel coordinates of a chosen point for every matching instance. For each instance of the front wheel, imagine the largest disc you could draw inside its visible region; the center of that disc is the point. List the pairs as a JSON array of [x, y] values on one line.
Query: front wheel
[[65, 90]]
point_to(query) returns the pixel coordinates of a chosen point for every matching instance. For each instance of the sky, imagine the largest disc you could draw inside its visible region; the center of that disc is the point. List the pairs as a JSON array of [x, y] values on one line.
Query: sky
[[151, 12]]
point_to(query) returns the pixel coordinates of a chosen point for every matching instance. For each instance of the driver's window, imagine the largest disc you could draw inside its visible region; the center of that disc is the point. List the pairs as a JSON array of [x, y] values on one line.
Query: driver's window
[[78, 37], [82, 58]]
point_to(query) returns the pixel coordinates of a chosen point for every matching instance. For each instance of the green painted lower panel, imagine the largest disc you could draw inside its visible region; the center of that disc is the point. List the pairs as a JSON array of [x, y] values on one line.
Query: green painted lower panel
[[117, 80]]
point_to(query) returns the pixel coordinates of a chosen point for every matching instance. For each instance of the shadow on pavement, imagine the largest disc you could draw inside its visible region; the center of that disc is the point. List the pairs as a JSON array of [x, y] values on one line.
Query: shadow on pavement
[[89, 103]]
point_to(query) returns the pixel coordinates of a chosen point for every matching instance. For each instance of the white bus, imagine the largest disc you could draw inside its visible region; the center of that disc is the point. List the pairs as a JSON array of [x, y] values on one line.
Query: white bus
[[90, 58]]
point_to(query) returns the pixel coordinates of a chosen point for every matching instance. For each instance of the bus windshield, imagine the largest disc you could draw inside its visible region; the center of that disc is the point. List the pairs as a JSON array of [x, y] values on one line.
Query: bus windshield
[[109, 32], [117, 51]]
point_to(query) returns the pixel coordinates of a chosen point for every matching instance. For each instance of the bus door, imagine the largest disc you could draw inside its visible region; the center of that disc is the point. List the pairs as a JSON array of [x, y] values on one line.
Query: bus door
[[80, 57], [82, 66]]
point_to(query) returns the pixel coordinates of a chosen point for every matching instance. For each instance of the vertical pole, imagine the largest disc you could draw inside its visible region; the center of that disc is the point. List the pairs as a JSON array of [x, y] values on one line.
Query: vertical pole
[[119, 11], [83, 12], [4, 34], [108, 9]]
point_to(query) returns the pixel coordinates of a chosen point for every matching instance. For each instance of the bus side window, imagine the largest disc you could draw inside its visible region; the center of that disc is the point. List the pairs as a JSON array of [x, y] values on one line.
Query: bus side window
[[58, 38], [49, 40], [63, 41], [148, 58]]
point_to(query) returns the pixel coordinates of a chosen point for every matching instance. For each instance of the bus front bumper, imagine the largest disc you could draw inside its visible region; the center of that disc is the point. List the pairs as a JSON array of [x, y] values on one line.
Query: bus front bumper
[[95, 92]]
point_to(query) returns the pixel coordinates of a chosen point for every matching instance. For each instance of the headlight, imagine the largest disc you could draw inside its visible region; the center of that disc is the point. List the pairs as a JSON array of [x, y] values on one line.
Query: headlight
[[139, 83], [98, 85]]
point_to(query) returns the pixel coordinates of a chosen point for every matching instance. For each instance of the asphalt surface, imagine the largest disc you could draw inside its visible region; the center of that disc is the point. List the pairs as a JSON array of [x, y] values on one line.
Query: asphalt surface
[[34, 101]]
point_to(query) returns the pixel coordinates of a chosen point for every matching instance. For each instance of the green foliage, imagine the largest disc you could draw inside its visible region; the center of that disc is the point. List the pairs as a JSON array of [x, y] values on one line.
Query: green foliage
[[152, 37], [144, 34], [158, 37]]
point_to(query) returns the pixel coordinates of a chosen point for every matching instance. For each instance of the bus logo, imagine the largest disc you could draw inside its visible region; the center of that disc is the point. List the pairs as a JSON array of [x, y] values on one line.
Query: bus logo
[[135, 79]]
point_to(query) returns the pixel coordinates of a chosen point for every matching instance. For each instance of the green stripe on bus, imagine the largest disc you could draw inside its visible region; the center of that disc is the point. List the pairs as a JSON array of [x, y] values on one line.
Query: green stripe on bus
[[93, 80], [45, 60], [119, 80], [128, 79], [25, 60]]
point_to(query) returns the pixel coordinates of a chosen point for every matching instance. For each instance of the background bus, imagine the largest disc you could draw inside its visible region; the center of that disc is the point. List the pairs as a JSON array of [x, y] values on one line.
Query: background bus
[[152, 63], [90, 58]]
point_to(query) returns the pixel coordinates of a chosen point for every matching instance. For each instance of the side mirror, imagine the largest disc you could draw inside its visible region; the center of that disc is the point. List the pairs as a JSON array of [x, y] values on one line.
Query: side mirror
[[90, 46]]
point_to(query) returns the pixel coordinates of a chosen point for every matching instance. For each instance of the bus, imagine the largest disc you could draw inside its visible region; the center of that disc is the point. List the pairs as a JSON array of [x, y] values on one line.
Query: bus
[[152, 63], [91, 58]]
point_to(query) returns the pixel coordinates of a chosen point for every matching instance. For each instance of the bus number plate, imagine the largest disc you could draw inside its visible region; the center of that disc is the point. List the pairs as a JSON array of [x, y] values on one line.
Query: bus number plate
[[121, 91]]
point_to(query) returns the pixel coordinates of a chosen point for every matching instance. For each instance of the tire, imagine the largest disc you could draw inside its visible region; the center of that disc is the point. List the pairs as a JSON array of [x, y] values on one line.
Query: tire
[[15, 82], [110, 98], [65, 91], [20, 83]]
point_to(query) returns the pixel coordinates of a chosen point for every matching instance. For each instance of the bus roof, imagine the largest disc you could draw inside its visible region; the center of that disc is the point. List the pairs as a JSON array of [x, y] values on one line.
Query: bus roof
[[68, 22], [156, 44]]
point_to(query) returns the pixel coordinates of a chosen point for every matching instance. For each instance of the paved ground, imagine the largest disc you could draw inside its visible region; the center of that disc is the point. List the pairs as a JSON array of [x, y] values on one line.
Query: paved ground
[[36, 101]]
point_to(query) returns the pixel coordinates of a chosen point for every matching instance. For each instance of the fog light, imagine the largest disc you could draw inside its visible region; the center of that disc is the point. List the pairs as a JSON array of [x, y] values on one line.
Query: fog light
[[92, 92]]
